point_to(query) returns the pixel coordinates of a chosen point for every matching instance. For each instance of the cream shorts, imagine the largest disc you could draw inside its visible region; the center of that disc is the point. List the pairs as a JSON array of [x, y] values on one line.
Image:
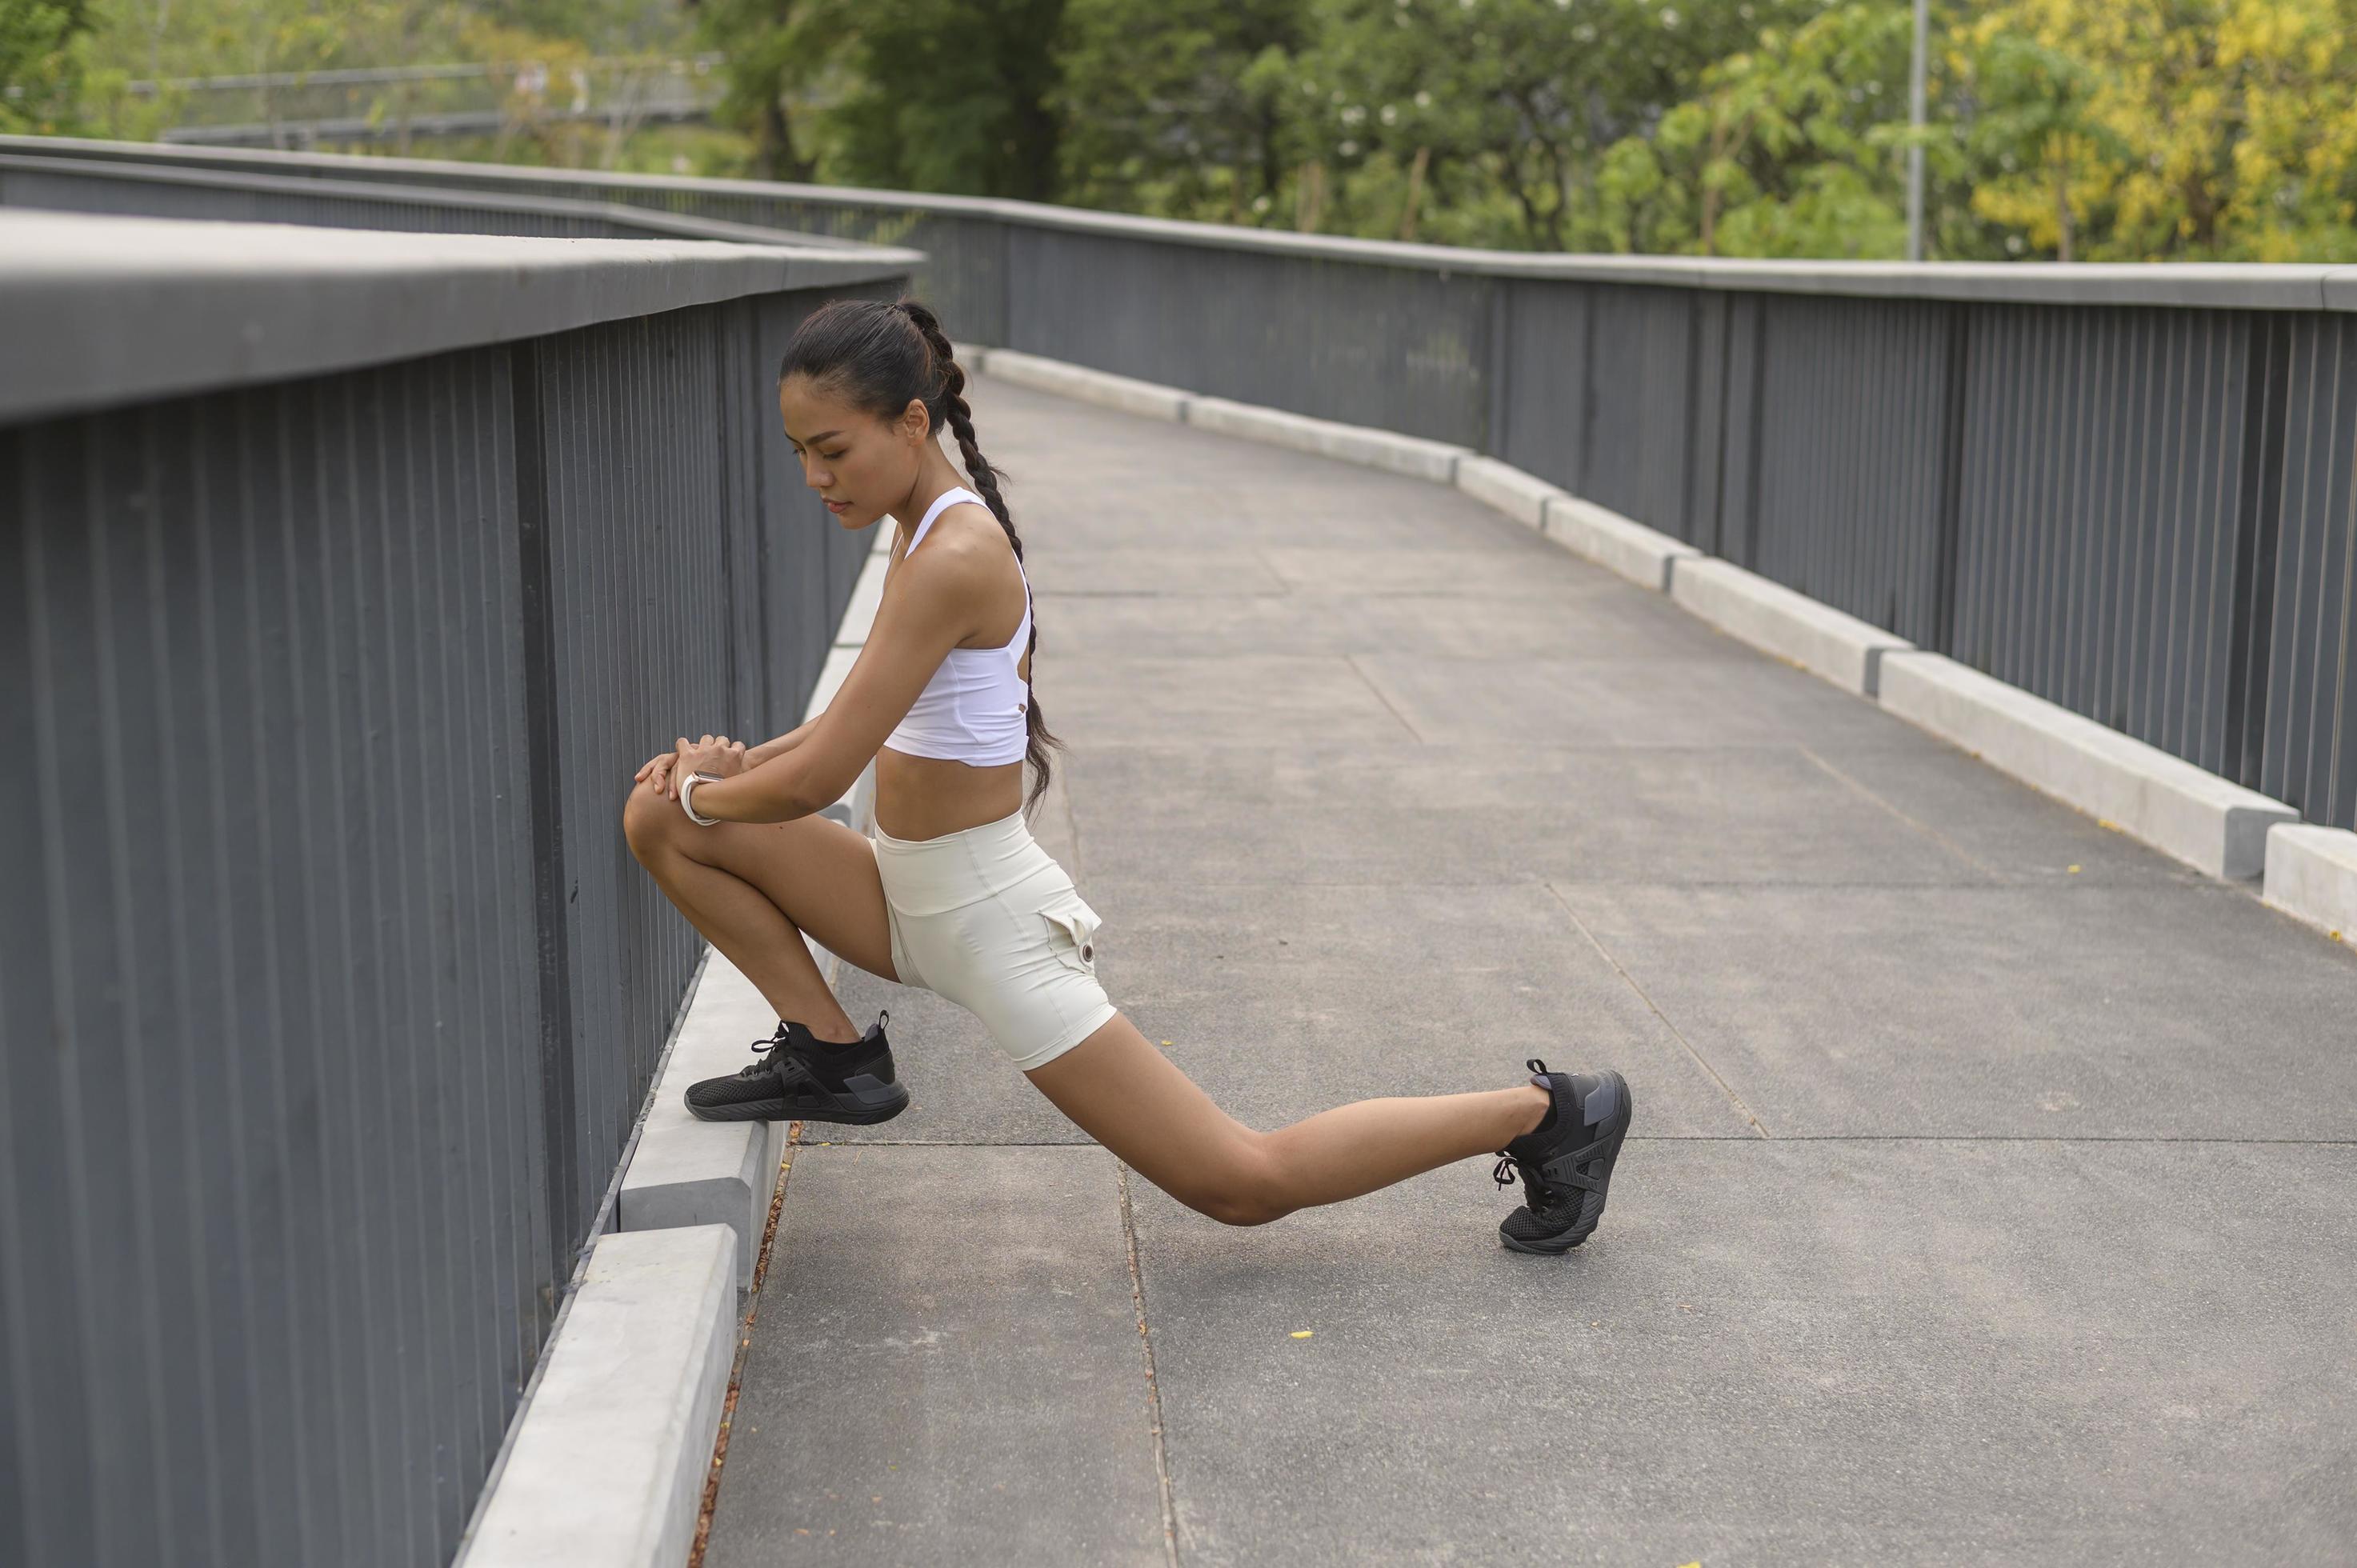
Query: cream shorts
[[988, 918]]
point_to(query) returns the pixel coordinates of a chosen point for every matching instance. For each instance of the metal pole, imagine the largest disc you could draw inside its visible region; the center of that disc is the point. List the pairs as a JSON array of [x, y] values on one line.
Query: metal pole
[[1915, 153]]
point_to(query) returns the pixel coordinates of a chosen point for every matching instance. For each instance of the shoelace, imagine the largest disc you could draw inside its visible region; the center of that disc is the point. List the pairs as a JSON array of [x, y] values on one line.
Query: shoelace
[[760, 1063], [777, 1041]]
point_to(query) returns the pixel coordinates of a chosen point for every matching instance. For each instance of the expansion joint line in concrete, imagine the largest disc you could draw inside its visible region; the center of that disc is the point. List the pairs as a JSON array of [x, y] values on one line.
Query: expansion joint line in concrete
[[1364, 679], [1153, 1387], [1934, 834], [744, 1343], [1675, 1033]]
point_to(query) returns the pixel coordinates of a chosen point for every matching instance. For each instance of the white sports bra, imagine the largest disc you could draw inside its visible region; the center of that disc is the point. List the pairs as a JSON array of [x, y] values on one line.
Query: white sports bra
[[976, 709]]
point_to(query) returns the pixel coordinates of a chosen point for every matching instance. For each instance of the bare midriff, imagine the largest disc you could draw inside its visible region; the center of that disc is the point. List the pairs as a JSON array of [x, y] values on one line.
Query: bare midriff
[[925, 797]]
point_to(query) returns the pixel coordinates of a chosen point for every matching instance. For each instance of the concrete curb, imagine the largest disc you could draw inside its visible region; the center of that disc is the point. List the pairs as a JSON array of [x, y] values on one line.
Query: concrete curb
[[2207, 822], [1773, 617], [604, 1468], [1086, 385], [688, 1173], [1409, 454], [1614, 543], [2312, 876], [1521, 496]]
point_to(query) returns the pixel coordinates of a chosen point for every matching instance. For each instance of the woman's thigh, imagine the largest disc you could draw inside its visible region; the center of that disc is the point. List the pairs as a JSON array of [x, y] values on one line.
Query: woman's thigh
[[821, 873], [1019, 960]]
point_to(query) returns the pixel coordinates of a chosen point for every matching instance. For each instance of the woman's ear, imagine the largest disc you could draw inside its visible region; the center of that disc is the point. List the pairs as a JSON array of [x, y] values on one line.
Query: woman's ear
[[914, 422]]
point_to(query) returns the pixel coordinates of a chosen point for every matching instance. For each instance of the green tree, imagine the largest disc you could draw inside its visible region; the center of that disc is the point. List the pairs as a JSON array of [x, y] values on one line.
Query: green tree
[[1176, 107], [766, 66], [940, 95], [1793, 147], [41, 66], [1508, 105]]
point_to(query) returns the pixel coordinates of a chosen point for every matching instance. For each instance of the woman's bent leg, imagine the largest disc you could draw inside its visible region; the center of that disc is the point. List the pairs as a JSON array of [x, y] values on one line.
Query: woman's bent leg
[[1134, 1099], [753, 888]]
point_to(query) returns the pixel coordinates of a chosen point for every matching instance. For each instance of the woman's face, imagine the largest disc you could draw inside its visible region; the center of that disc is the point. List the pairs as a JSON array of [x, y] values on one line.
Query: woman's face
[[849, 455]]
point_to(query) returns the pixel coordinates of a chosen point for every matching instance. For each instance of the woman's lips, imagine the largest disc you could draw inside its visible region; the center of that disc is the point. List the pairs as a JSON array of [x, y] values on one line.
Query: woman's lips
[[838, 507]]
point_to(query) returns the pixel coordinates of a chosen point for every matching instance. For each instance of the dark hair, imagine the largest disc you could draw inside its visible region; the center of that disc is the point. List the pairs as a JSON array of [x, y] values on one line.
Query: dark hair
[[877, 356]]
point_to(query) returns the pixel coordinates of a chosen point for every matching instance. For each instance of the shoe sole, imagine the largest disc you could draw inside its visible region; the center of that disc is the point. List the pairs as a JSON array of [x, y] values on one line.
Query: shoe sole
[[1556, 1246], [778, 1110]]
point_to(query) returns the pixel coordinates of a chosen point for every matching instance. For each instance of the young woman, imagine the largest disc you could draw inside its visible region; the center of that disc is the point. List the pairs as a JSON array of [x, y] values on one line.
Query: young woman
[[952, 893]]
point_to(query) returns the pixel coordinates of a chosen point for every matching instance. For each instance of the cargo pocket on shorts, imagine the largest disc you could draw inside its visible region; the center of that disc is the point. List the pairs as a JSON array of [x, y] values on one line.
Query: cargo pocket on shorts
[[1071, 932]]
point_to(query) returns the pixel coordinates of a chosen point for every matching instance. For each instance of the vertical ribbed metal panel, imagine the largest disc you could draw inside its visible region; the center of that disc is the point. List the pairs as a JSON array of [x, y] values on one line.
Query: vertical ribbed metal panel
[[329, 988], [1851, 399], [265, 1135], [1403, 348], [639, 615], [2103, 488], [1545, 400], [2310, 758], [1639, 427]]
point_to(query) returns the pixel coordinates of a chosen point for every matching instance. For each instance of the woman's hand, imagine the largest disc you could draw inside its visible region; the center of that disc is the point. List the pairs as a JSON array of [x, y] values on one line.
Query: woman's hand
[[713, 753], [656, 772]]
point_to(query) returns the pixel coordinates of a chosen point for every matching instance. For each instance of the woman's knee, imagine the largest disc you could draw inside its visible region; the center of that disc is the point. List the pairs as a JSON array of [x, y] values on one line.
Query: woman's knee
[[1244, 1186], [648, 818]]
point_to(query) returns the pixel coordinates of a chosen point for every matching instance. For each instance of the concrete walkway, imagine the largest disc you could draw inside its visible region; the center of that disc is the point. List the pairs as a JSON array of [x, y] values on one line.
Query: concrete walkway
[[1993, 1191]]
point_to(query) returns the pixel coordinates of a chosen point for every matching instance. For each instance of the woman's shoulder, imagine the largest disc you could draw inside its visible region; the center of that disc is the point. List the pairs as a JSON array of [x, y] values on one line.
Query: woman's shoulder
[[967, 559]]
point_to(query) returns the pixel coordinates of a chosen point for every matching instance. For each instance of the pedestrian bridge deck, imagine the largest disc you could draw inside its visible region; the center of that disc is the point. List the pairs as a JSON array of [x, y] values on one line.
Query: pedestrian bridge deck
[[1991, 1189]]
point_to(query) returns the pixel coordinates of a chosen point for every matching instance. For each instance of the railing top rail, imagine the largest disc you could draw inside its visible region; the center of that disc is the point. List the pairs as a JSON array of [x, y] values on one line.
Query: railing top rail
[[2222, 285], [621, 214], [104, 310]]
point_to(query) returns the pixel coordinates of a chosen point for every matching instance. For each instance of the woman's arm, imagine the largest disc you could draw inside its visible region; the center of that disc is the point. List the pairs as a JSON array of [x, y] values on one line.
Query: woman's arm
[[916, 625], [757, 754]]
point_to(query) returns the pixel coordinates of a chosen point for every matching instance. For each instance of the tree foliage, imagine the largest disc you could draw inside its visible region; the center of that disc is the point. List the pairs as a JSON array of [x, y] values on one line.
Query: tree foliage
[[43, 48], [2083, 129]]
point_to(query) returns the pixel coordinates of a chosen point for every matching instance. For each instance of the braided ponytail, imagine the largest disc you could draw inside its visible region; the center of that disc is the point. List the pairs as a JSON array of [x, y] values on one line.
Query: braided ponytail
[[884, 355]]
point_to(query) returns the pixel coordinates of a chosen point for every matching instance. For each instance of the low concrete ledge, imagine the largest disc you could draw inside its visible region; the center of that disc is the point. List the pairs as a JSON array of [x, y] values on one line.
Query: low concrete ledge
[[1522, 496], [686, 1172], [1772, 617], [2312, 876], [1086, 385], [2209, 824], [1637, 553], [1410, 455], [605, 1466]]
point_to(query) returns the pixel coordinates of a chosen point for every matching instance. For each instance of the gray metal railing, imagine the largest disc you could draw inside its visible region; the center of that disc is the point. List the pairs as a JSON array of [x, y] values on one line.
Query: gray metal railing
[[347, 584], [2126, 489]]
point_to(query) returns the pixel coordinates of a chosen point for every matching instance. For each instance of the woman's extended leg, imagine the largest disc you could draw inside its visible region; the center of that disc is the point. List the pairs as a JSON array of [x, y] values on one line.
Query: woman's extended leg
[[1134, 1099], [752, 888]]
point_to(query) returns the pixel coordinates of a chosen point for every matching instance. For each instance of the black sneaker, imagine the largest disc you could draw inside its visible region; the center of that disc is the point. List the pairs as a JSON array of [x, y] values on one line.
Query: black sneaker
[[1565, 1165], [801, 1077]]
